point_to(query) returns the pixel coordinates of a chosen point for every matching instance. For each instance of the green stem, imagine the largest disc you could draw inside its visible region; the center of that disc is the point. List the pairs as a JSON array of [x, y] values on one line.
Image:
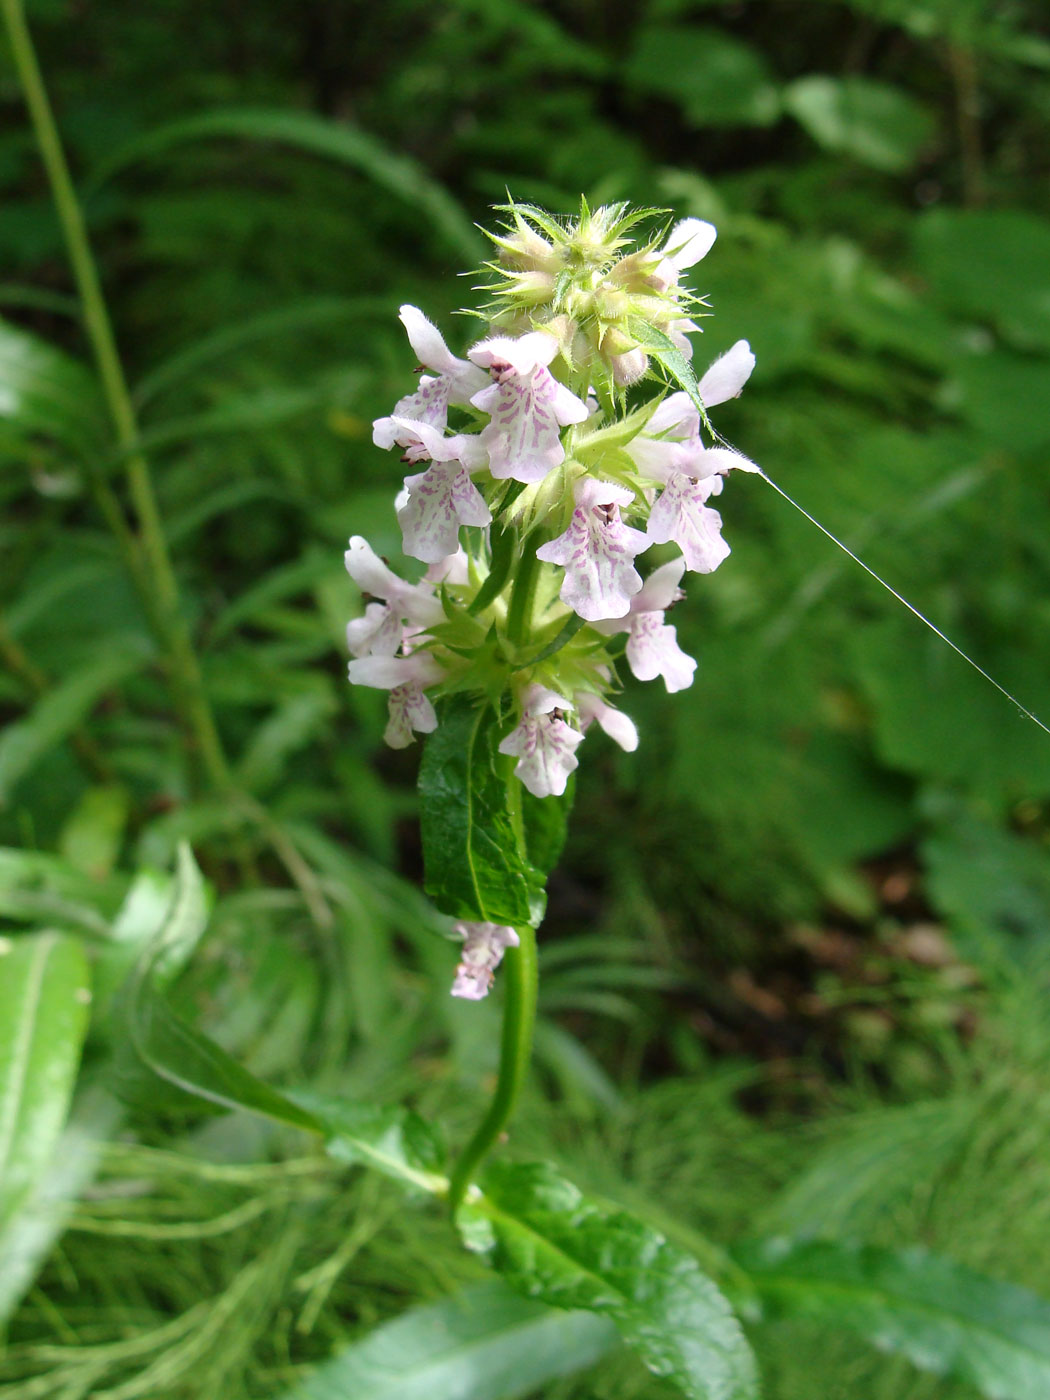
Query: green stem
[[520, 982], [523, 594], [166, 615]]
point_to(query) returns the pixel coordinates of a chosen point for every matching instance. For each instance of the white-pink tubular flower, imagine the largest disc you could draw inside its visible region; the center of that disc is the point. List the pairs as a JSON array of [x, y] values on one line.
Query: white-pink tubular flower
[[406, 677], [527, 406], [456, 380], [652, 644], [726, 377], [671, 437], [412, 605], [483, 949], [597, 552], [442, 498], [615, 723], [543, 743], [680, 514], [688, 242]]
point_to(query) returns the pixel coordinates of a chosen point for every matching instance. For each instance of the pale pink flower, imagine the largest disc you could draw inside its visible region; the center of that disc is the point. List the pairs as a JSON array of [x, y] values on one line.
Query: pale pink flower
[[527, 406], [406, 677], [680, 514], [455, 381], [483, 949], [615, 723], [652, 644], [597, 551], [403, 605], [688, 242], [671, 440], [543, 743], [442, 498]]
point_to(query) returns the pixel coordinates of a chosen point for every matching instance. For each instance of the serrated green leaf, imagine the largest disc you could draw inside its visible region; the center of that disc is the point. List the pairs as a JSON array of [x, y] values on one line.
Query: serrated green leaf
[[942, 1317], [485, 1343], [44, 995], [337, 141], [552, 1243], [473, 860]]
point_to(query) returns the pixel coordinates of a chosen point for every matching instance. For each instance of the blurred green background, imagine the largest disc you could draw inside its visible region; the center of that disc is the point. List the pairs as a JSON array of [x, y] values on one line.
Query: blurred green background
[[813, 907]]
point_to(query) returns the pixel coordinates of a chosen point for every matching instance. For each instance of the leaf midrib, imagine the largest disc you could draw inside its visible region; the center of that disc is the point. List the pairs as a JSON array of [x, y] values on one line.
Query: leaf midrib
[[23, 1045]]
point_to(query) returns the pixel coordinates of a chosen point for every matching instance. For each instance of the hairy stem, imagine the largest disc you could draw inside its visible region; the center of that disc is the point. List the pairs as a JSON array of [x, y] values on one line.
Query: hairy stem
[[165, 614], [520, 983]]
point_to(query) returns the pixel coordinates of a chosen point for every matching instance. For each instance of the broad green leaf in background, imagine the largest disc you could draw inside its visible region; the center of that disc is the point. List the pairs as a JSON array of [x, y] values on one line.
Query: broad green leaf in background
[[991, 263], [872, 122], [28, 1235], [994, 889], [170, 1048], [942, 1317], [552, 1243], [44, 998], [39, 888], [304, 131], [61, 710], [1003, 395], [715, 79], [486, 1343], [473, 859], [46, 393]]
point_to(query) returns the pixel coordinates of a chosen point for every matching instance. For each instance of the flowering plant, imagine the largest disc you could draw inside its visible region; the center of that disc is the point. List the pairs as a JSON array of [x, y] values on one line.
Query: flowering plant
[[532, 509]]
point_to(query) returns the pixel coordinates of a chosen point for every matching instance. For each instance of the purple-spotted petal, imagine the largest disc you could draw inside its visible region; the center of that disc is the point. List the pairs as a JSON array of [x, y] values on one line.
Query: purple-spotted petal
[[526, 415], [377, 633], [597, 552], [681, 515], [409, 712], [483, 949], [429, 404], [440, 500], [543, 744]]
